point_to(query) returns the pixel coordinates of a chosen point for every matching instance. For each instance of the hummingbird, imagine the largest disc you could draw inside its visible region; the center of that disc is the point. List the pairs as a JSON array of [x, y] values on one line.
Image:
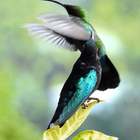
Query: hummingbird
[[83, 80], [72, 32]]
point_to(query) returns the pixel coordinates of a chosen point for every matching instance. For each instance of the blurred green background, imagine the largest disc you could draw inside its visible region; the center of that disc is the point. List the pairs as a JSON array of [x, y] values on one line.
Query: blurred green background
[[33, 72]]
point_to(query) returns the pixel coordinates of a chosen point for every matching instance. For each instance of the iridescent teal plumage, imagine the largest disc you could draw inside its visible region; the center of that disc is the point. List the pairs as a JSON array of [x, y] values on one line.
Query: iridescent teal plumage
[[82, 82], [84, 86]]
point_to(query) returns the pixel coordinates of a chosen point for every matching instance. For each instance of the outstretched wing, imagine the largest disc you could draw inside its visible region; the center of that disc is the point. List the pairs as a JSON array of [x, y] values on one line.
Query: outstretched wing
[[64, 31], [41, 31], [70, 26]]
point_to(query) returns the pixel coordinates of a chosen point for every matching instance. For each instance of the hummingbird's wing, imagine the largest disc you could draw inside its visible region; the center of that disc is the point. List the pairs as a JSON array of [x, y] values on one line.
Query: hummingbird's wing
[[69, 26], [61, 30], [76, 90], [41, 31]]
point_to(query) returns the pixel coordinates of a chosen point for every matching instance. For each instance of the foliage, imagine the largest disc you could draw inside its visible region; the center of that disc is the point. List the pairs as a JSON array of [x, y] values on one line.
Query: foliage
[[93, 135], [57, 133]]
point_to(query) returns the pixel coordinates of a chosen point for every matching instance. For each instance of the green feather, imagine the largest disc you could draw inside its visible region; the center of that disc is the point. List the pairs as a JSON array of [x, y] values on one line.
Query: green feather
[[83, 13]]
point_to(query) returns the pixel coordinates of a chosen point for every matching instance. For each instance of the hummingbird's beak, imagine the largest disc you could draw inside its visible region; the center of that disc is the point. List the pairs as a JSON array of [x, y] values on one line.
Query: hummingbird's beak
[[55, 2]]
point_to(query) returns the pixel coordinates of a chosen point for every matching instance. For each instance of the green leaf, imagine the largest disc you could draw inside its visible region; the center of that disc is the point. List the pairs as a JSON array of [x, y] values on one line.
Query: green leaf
[[93, 135], [57, 133]]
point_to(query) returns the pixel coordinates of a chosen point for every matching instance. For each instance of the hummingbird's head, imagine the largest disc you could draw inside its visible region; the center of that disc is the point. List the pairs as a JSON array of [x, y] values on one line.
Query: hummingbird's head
[[76, 11], [73, 10]]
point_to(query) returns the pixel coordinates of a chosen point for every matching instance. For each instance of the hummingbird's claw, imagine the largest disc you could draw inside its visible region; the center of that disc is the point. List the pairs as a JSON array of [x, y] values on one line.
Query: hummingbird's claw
[[92, 98]]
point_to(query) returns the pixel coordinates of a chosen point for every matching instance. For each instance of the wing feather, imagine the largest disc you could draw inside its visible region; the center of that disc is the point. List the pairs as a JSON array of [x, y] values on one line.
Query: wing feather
[[71, 27], [41, 31]]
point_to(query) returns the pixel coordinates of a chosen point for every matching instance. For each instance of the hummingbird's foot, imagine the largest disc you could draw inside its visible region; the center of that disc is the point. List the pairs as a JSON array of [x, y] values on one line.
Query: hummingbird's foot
[[97, 99], [85, 105]]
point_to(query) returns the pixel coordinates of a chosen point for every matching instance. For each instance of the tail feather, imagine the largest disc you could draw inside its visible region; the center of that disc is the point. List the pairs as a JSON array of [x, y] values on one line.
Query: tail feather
[[110, 77]]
